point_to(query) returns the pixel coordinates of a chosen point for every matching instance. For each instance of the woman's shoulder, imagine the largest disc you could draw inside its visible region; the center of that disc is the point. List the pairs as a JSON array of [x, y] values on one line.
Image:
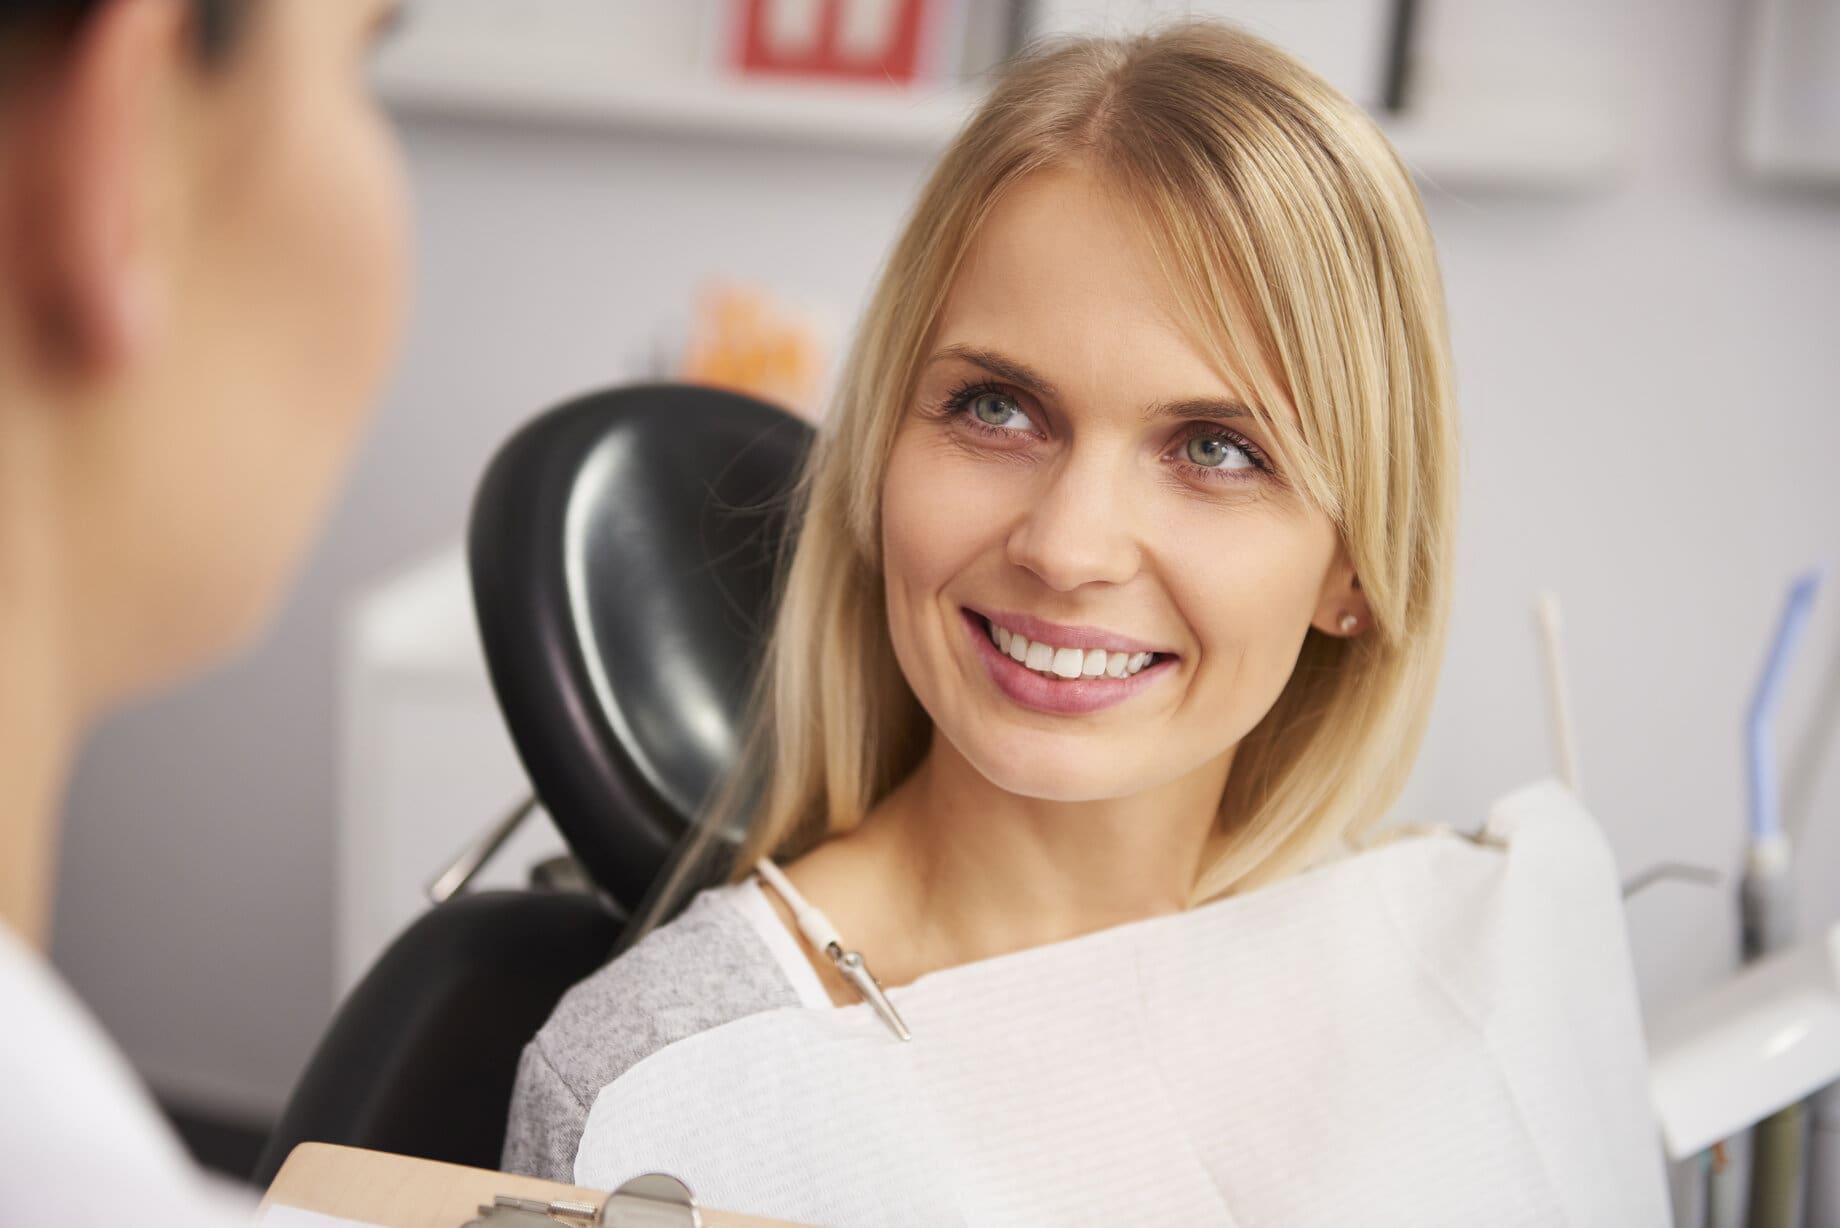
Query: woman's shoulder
[[707, 967]]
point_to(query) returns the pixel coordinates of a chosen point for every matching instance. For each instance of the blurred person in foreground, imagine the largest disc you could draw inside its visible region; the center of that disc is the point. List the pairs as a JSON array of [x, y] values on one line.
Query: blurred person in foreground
[[202, 229]]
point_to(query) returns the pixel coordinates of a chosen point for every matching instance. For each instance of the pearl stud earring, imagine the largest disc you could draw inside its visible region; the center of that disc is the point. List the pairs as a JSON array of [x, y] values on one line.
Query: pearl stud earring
[[1349, 623]]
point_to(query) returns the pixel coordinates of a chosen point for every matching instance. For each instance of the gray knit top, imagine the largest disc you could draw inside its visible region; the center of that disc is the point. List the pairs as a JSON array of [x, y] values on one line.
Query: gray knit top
[[727, 955]]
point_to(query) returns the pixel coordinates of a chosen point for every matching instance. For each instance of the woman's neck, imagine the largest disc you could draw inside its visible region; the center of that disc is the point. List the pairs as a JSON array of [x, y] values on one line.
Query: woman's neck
[[37, 734], [40, 713], [951, 869]]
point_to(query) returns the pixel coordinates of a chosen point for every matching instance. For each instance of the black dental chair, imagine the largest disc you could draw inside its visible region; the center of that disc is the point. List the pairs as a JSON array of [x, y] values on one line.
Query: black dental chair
[[624, 550]]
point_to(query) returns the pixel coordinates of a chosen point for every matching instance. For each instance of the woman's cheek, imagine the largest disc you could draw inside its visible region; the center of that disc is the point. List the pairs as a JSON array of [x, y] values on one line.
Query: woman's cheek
[[1252, 604], [940, 507]]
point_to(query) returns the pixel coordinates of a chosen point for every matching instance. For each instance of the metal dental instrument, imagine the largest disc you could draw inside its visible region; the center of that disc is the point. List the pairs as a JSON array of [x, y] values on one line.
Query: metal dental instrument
[[819, 931]]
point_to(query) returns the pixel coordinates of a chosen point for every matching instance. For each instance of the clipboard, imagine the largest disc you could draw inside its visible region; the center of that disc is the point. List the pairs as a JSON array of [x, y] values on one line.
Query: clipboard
[[375, 1189]]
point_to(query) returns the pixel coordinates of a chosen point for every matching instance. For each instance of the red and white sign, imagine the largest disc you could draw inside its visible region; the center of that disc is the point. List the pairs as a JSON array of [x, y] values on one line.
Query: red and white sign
[[845, 40]]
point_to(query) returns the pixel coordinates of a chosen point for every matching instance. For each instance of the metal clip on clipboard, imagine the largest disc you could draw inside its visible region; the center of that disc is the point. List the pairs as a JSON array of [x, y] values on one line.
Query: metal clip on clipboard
[[655, 1200]]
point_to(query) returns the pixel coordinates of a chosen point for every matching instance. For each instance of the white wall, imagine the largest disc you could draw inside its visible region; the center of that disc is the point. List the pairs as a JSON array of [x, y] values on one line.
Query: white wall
[[1650, 384]]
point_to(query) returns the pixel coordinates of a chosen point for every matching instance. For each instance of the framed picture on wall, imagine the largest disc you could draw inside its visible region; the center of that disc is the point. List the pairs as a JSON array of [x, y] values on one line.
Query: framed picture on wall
[[863, 42], [1789, 124]]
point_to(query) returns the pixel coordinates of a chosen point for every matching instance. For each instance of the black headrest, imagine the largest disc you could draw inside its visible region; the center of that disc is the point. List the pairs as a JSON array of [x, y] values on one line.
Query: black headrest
[[624, 549]]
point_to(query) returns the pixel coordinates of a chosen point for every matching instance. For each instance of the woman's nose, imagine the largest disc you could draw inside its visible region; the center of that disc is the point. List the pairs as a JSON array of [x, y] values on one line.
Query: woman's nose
[[1079, 528]]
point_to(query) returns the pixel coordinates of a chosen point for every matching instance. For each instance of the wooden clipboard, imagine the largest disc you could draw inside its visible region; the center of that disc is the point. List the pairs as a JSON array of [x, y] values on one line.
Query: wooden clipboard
[[375, 1187]]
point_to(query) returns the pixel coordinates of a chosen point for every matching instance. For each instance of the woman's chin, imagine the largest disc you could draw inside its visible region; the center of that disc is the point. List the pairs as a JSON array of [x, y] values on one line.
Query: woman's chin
[[1056, 774]]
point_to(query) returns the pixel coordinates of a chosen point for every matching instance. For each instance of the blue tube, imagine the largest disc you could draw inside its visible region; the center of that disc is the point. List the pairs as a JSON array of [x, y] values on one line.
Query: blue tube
[[1760, 726]]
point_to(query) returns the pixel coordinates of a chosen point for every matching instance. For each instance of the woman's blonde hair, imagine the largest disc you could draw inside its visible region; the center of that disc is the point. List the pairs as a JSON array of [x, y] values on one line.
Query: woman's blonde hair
[[1294, 238]]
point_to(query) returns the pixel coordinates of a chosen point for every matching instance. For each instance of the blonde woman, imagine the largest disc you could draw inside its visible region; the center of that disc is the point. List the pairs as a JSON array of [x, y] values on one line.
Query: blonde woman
[[1112, 628]]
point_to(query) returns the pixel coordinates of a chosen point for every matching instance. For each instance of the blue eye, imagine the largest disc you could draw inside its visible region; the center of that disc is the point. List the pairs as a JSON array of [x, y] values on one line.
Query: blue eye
[[995, 409], [1217, 452], [988, 409]]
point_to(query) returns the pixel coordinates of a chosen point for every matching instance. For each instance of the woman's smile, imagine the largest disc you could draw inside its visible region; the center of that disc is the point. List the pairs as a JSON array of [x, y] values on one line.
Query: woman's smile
[[1068, 679]]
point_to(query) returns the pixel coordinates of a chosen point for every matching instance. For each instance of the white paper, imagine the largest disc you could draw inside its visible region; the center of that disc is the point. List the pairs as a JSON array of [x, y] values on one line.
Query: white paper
[[1432, 1032], [278, 1216]]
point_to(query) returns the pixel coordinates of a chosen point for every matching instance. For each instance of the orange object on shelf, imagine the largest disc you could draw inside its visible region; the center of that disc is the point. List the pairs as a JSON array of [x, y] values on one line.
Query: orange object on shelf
[[743, 340]]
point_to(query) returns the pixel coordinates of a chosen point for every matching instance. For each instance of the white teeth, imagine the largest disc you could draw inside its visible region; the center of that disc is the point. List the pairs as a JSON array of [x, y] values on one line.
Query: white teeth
[[1066, 663]]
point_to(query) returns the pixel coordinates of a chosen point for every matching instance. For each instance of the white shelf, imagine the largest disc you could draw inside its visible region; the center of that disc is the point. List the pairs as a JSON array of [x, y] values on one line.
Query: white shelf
[[1533, 150], [1530, 150], [705, 107]]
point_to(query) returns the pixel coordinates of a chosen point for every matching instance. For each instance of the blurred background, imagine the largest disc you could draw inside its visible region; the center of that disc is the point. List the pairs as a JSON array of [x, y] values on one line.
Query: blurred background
[[1638, 209]]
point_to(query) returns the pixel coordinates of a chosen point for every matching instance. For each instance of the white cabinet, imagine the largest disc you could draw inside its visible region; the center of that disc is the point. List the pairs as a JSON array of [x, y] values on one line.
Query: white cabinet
[[425, 763]]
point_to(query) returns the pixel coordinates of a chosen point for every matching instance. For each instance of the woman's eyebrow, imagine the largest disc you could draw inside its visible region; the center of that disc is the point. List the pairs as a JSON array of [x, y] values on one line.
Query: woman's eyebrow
[[1003, 368], [1198, 407]]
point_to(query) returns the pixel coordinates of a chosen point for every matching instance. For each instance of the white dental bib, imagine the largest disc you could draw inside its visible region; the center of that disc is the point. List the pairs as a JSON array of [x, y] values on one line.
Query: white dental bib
[[1433, 1032]]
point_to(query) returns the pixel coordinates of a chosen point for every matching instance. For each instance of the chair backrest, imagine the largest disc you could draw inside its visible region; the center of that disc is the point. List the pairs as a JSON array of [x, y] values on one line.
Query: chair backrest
[[624, 550]]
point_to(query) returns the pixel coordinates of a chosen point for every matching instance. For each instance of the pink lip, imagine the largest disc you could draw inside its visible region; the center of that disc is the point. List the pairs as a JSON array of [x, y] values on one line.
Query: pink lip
[[1041, 631], [1072, 697]]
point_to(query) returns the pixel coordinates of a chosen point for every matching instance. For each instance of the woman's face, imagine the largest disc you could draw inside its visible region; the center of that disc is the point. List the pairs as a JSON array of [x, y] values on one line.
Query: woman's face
[[1074, 472], [281, 267]]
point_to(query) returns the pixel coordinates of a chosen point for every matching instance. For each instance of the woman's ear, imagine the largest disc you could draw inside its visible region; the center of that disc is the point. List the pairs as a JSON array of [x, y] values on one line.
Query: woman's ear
[[1342, 609], [88, 183]]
